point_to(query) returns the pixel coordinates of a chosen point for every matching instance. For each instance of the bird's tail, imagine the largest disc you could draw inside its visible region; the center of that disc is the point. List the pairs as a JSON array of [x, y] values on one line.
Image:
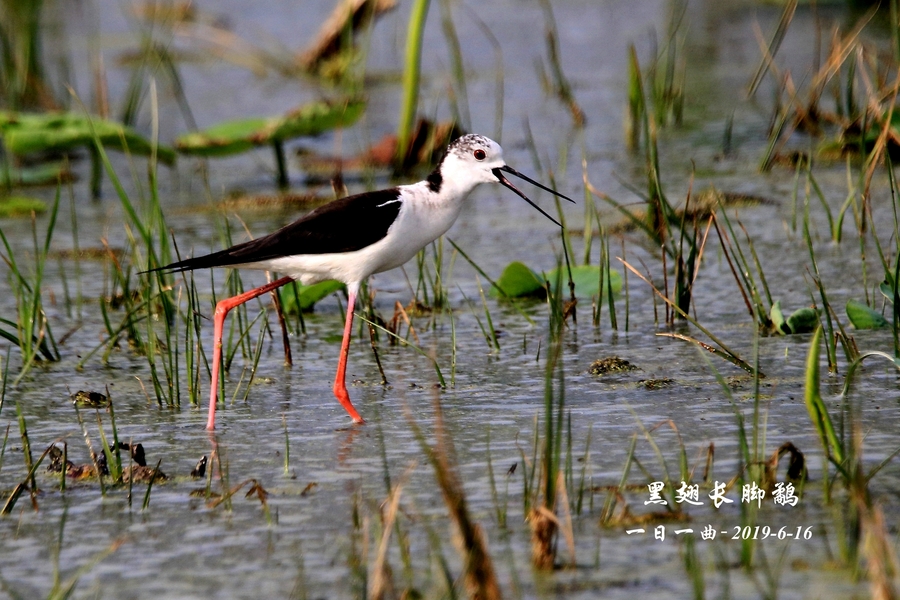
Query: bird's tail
[[222, 258]]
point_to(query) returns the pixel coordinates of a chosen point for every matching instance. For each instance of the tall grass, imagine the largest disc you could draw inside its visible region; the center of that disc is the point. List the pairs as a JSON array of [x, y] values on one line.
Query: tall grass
[[479, 575], [33, 334], [858, 520], [546, 473], [411, 74]]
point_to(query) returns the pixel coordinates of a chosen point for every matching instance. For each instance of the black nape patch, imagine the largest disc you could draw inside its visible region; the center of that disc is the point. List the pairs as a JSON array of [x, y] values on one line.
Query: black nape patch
[[435, 180]]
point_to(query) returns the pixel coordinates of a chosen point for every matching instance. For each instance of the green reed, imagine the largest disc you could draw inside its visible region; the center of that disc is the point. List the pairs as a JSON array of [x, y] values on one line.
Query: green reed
[[834, 329], [493, 283], [146, 503], [430, 276], [26, 447], [254, 364], [608, 512], [835, 225], [411, 74], [754, 288], [857, 518], [34, 336], [544, 475], [666, 73], [3, 446], [500, 508], [581, 487], [751, 448], [287, 446], [488, 331]]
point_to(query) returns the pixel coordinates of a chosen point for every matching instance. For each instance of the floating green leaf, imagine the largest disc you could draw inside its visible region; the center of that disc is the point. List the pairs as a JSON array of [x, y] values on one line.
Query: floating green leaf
[[228, 137], [40, 174], [864, 317], [233, 137], [25, 133], [804, 320], [517, 280], [587, 280], [778, 319], [20, 206], [308, 295]]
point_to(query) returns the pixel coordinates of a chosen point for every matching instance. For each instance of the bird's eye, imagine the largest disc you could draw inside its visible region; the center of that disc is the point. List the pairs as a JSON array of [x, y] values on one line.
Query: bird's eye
[[479, 154]]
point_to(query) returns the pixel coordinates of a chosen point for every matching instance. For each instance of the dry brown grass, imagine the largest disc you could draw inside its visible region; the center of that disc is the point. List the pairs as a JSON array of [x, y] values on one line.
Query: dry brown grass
[[479, 577]]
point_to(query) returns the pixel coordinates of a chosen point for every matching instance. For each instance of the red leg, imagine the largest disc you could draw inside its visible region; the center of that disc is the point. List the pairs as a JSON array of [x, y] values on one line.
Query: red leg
[[340, 386], [222, 309]]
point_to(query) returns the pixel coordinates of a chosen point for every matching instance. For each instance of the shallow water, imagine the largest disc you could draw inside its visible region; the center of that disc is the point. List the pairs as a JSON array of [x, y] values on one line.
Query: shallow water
[[180, 548]]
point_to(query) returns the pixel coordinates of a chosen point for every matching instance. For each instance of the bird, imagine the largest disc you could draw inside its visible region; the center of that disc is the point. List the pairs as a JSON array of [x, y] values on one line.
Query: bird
[[354, 237]]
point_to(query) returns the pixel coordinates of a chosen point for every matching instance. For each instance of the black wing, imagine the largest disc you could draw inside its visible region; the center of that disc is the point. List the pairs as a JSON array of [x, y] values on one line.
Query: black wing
[[345, 225]]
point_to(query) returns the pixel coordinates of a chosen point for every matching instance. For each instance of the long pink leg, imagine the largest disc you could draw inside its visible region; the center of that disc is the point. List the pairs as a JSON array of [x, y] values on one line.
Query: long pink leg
[[340, 386], [222, 309]]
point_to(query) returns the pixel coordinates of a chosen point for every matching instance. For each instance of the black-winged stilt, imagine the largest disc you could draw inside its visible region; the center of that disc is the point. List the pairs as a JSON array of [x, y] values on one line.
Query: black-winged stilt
[[357, 236]]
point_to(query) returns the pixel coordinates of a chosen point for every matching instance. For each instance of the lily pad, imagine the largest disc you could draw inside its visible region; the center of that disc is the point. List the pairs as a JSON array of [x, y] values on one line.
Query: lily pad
[[35, 175], [517, 281], [804, 320], [234, 137], [864, 317], [228, 137], [20, 206], [25, 133], [308, 295], [586, 279]]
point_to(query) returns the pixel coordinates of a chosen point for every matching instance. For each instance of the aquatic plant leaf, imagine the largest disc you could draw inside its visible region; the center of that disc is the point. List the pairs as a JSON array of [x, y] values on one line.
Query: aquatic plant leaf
[[20, 206], [40, 174], [777, 317], [864, 317], [587, 280], [228, 137], [804, 320], [318, 117], [241, 135], [815, 406], [26, 133], [308, 295], [517, 281]]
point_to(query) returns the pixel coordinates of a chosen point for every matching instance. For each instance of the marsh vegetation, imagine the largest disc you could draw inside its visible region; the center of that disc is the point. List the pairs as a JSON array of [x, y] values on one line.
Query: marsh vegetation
[[688, 389]]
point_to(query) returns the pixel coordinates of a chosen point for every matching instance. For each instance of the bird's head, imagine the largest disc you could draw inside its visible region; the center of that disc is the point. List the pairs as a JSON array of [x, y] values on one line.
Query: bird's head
[[473, 159]]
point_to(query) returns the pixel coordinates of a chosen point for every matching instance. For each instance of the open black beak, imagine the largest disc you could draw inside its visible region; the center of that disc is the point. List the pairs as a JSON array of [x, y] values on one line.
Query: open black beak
[[499, 175]]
